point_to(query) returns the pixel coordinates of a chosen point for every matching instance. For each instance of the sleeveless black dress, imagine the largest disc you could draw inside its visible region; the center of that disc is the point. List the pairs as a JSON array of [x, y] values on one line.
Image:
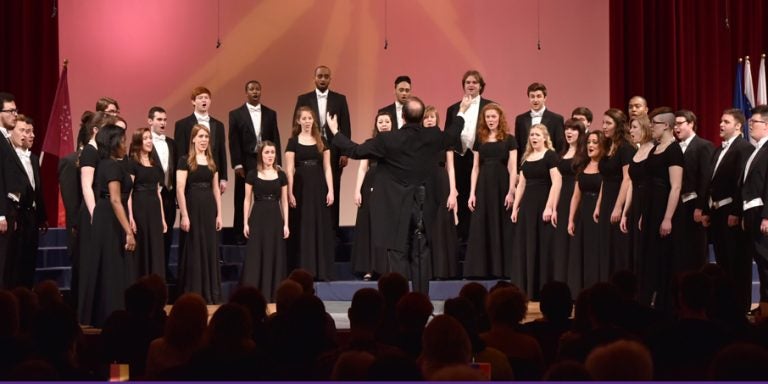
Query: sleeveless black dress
[[265, 263]]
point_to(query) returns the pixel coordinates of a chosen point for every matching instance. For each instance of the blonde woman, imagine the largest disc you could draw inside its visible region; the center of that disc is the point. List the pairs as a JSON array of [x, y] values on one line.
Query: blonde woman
[[535, 212]]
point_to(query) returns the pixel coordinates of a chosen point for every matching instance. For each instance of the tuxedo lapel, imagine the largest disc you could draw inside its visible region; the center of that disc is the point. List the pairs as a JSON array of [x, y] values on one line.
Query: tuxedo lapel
[[18, 163], [757, 159]]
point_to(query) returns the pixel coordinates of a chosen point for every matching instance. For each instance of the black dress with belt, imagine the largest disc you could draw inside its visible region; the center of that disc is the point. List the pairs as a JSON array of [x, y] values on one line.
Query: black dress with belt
[[199, 254], [583, 264], [312, 240], [147, 214], [265, 262]]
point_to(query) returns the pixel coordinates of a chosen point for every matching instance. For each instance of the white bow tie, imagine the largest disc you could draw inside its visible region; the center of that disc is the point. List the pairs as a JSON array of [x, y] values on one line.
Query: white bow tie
[[204, 118], [22, 153], [322, 95], [254, 109], [158, 138], [537, 114], [725, 144]]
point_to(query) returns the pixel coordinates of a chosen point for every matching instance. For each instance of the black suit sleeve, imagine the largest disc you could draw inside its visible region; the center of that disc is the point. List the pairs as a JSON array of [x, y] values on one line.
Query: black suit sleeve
[[181, 134], [703, 173], [221, 149], [41, 215], [235, 139], [68, 184], [272, 121], [370, 149], [744, 150], [558, 132], [344, 125]]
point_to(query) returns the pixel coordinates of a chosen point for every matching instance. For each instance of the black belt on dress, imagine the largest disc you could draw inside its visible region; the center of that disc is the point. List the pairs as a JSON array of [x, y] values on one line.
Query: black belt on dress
[[105, 195], [304, 163], [265, 197], [200, 185], [145, 187]]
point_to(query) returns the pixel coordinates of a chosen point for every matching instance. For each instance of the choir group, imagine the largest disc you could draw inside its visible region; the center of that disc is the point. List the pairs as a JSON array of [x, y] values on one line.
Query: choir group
[[548, 199]]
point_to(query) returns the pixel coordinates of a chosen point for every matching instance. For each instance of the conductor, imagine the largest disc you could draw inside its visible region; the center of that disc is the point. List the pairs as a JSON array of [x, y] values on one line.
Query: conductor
[[403, 194]]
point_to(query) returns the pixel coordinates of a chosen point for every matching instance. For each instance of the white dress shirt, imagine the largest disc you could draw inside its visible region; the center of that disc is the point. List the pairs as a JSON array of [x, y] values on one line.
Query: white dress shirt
[[322, 107], [754, 154], [204, 120], [163, 152], [399, 113], [27, 163], [726, 144], [685, 143], [537, 115], [469, 131]]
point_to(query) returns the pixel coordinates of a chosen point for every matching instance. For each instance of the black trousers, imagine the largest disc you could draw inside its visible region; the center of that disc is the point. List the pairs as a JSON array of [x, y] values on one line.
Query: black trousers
[[238, 221], [22, 251], [416, 262], [169, 209], [730, 246], [758, 248], [692, 246]]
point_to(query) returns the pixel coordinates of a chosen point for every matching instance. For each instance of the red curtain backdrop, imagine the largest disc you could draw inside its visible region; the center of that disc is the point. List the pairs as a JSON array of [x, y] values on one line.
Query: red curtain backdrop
[[683, 53], [29, 69]]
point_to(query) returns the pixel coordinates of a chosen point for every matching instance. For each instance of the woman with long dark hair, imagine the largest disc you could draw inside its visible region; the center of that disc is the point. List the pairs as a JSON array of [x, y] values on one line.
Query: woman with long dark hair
[[113, 242], [145, 209], [266, 207], [368, 261], [615, 252], [572, 159], [310, 195], [199, 198], [581, 225]]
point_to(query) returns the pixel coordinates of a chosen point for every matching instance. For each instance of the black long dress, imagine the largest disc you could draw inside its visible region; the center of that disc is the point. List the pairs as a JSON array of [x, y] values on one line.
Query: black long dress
[[114, 268], [583, 265], [86, 276], [444, 241], [659, 254], [562, 246], [199, 254], [312, 241], [490, 236], [365, 257], [147, 214], [265, 262], [533, 236], [615, 252], [638, 172]]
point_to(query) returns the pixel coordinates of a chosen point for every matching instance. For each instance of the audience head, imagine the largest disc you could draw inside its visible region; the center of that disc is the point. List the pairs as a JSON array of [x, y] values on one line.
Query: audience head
[[556, 301], [47, 292], [567, 370], [286, 294], [695, 293], [604, 298], [159, 290], [444, 343], [352, 366], [230, 328], [304, 278], [458, 372], [394, 367], [740, 362], [626, 282], [187, 322], [621, 360], [463, 311], [413, 310], [54, 332], [140, 300], [29, 305], [366, 309], [9, 321], [507, 306], [392, 286], [251, 298]]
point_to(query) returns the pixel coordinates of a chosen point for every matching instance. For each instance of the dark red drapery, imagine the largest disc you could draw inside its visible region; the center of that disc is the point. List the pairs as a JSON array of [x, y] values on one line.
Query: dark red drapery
[[683, 53], [29, 69]]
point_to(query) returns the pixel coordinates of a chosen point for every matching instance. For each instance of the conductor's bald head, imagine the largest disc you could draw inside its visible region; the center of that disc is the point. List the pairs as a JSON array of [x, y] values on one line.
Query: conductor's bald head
[[413, 110]]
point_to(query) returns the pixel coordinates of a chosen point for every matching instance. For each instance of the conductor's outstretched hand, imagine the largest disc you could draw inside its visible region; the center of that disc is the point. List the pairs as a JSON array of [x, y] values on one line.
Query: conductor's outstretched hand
[[333, 123]]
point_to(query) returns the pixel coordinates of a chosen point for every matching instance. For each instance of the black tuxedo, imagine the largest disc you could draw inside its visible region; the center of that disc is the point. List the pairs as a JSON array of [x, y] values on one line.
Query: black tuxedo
[[696, 175], [183, 130], [168, 194], [392, 111], [755, 186], [729, 242], [336, 105], [404, 201], [554, 123], [27, 214], [463, 169], [5, 149], [242, 149]]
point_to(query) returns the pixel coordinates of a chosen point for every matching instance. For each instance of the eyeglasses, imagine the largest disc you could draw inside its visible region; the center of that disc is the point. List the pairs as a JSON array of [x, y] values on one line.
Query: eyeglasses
[[11, 111], [752, 121], [681, 122]]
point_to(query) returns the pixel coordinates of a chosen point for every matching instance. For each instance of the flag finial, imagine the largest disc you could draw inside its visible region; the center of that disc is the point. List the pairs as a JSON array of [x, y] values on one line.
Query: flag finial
[[741, 60], [66, 62]]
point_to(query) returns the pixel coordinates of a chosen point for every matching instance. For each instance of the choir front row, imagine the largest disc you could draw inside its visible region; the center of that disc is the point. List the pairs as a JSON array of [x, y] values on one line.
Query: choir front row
[[613, 199]]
